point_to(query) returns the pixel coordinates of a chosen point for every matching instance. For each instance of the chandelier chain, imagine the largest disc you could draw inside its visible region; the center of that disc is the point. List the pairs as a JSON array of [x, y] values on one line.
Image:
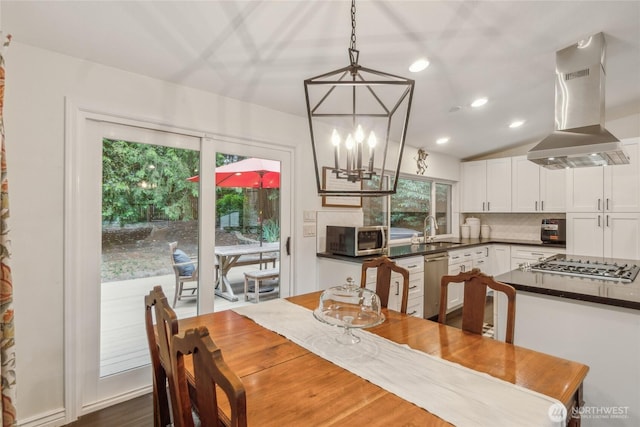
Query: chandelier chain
[[353, 25]]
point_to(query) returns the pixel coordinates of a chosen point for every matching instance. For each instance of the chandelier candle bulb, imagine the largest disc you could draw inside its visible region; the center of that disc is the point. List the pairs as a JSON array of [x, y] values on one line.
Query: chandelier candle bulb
[[372, 141], [349, 145], [335, 140]]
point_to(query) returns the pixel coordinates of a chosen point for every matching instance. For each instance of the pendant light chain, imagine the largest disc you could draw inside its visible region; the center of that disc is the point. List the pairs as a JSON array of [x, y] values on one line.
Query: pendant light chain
[[353, 25]]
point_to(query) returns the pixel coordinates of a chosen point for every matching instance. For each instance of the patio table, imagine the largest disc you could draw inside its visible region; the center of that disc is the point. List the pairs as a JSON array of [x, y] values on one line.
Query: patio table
[[230, 256]]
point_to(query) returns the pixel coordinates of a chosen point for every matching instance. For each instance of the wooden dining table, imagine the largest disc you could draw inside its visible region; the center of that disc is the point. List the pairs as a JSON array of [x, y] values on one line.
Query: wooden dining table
[[289, 385]]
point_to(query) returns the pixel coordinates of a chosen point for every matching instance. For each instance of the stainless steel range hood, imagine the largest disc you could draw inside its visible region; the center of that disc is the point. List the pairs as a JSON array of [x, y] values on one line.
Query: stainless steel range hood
[[580, 139]]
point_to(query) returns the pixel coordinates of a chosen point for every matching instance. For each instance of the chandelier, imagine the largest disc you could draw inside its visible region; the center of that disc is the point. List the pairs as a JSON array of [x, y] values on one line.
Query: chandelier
[[358, 120]]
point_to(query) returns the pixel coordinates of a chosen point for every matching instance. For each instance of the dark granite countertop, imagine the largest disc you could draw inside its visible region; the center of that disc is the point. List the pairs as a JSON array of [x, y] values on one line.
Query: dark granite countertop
[[403, 251], [577, 288]]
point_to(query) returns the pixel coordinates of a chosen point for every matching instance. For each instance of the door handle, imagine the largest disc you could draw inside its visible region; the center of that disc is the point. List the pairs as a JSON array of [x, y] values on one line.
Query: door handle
[[482, 206], [598, 206], [542, 205], [607, 220], [488, 206], [598, 220], [397, 288], [607, 203], [536, 208], [288, 245]]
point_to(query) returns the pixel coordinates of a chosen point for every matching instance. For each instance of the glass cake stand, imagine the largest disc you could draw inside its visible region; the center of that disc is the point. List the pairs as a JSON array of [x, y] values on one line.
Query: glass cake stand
[[348, 307]]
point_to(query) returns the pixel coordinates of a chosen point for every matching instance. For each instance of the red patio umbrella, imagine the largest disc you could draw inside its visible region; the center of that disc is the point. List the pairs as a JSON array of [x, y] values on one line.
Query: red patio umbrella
[[248, 173]]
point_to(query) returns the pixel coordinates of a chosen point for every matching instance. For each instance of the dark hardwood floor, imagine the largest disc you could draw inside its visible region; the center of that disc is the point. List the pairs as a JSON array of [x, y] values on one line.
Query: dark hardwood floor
[[136, 412]]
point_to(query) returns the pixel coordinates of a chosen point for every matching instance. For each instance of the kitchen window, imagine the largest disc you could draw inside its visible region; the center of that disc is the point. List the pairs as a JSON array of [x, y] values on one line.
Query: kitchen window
[[414, 200]]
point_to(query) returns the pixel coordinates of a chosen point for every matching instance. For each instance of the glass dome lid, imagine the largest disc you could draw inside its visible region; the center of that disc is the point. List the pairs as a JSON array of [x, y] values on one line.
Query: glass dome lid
[[349, 306]]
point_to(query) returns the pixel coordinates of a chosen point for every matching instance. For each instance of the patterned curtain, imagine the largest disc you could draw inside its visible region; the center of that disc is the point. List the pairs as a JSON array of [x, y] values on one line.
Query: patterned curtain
[[7, 341]]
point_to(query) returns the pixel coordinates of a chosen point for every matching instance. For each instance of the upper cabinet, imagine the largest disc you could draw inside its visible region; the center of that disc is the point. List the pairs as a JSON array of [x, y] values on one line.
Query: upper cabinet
[[608, 188], [536, 189], [486, 186]]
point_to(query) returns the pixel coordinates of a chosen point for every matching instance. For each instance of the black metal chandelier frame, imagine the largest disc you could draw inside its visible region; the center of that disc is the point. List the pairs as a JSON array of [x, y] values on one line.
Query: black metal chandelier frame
[[353, 76]]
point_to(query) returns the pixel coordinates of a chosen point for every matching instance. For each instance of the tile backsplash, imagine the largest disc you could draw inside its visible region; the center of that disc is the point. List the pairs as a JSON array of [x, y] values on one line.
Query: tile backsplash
[[521, 226]]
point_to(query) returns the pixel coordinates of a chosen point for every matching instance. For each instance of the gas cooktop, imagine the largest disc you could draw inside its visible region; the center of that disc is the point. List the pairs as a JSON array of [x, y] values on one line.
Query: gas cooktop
[[619, 272]]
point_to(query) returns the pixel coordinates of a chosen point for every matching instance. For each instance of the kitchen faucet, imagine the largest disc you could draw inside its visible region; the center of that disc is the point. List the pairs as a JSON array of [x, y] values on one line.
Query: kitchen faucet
[[431, 229]]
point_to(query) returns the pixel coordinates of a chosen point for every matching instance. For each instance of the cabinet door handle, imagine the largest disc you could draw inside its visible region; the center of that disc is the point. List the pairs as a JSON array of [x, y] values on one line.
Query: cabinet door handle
[[488, 206], [412, 313], [397, 288], [598, 204], [413, 287], [482, 206], [607, 203], [598, 220], [462, 268], [542, 205], [412, 266], [536, 208], [607, 220]]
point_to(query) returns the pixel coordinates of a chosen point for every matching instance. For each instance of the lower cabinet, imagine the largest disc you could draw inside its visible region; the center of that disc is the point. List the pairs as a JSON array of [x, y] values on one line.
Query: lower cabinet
[[415, 303], [531, 254]]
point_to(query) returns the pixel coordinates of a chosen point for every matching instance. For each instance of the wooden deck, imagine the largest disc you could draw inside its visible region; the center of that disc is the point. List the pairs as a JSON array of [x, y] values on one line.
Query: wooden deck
[[123, 339]]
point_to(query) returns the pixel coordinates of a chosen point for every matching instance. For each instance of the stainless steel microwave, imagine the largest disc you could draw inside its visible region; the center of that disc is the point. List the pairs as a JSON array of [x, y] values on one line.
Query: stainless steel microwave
[[356, 241]]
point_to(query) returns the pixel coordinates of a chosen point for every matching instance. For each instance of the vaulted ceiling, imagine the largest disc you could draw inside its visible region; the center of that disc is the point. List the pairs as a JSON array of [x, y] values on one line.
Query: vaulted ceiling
[[261, 51]]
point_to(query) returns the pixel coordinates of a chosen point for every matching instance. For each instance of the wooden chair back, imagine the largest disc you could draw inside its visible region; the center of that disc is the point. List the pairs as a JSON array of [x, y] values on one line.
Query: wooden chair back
[[475, 296], [385, 267], [161, 410], [210, 370], [167, 327]]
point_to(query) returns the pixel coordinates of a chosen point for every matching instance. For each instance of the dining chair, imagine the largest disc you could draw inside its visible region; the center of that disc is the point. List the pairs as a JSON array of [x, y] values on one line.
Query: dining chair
[[161, 410], [210, 372], [474, 302], [185, 270], [166, 328], [384, 280]]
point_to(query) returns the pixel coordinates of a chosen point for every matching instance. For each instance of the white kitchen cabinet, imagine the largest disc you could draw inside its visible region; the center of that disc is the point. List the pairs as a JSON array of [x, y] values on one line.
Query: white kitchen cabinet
[[608, 188], [531, 254], [481, 259], [611, 235], [486, 185], [536, 189], [415, 300], [460, 261], [415, 265], [500, 256]]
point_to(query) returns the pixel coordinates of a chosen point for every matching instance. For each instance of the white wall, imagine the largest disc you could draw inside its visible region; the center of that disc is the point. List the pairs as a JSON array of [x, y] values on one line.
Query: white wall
[[37, 83]]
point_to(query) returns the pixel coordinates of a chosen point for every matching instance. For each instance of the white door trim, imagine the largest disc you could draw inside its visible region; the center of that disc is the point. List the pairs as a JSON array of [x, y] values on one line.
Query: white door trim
[[76, 117]]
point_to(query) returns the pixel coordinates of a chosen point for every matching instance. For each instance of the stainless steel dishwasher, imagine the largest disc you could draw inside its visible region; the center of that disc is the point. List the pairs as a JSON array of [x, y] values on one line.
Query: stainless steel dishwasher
[[435, 266]]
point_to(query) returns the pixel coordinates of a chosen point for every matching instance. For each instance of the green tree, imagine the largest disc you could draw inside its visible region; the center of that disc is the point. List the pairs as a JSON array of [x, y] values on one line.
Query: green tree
[[139, 180]]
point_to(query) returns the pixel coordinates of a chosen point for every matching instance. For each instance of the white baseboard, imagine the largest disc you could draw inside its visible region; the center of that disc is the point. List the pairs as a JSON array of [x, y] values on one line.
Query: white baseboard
[[57, 417], [54, 418]]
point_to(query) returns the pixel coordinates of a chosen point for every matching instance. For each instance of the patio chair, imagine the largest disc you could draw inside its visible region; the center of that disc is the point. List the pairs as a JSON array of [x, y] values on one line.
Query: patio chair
[[185, 270]]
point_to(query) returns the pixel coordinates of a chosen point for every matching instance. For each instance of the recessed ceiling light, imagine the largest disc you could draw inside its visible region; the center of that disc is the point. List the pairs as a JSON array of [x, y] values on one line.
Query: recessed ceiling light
[[419, 65], [479, 102], [442, 140], [516, 123]]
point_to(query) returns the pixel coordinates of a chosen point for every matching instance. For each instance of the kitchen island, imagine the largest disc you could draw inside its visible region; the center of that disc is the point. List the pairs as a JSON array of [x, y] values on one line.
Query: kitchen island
[[594, 321]]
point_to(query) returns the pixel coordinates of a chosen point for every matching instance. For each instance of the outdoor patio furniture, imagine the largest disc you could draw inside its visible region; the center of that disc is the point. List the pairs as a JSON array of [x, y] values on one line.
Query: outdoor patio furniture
[[186, 271], [258, 277]]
